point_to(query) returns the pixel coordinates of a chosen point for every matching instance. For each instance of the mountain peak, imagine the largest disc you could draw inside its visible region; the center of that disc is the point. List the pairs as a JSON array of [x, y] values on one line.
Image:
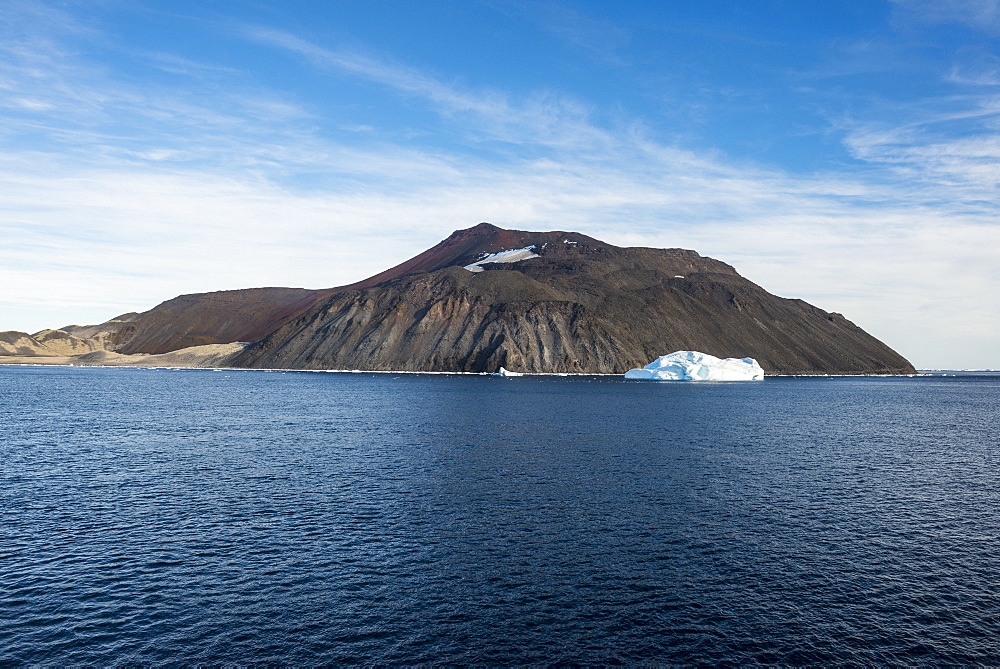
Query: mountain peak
[[480, 228]]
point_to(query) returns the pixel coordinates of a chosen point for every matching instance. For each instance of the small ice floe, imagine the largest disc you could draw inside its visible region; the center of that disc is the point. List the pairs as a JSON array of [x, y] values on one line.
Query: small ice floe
[[506, 372], [510, 255], [695, 366]]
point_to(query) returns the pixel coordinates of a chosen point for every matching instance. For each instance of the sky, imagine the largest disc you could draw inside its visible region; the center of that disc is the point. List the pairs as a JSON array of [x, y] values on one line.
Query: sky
[[846, 153]]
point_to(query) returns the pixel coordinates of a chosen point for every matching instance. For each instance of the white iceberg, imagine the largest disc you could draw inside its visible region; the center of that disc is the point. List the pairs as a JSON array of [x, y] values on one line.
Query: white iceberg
[[695, 366], [506, 372]]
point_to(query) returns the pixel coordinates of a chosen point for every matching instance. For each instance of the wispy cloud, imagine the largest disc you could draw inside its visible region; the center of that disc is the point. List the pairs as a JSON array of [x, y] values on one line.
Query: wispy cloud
[[397, 76], [951, 149], [982, 15], [602, 40], [542, 118]]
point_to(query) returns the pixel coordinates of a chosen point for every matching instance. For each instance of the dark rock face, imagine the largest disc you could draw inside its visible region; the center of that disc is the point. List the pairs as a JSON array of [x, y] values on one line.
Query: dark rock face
[[582, 306]]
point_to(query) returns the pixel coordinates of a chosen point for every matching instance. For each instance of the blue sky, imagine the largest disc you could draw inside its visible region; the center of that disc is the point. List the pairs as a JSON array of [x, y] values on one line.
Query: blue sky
[[845, 153]]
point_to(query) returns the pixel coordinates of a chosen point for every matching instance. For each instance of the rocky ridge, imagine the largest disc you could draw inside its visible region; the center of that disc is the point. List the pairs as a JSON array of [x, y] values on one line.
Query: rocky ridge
[[67, 341]]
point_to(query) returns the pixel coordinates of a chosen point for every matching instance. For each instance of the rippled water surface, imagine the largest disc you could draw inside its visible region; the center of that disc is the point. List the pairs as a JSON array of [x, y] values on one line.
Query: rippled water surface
[[154, 516]]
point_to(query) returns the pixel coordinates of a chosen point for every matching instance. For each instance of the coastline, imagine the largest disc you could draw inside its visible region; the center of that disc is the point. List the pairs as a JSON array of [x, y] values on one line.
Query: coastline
[[191, 360]]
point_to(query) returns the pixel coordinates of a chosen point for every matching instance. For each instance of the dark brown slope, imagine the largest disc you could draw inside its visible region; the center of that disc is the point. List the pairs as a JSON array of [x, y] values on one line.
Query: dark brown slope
[[580, 307], [214, 318], [247, 315], [464, 247]]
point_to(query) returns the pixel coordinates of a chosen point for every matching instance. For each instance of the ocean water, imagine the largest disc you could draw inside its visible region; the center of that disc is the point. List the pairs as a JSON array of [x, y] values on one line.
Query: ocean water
[[198, 516]]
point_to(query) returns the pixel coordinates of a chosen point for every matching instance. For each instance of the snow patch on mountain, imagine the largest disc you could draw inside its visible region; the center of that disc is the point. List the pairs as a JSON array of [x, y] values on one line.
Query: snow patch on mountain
[[510, 255]]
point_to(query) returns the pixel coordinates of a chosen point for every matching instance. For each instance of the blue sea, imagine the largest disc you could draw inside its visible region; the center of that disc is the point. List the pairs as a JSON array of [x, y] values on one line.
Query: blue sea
[[152, 516]]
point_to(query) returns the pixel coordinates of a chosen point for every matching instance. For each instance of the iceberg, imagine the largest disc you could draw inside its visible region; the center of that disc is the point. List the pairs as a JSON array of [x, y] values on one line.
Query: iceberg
[[506, 372], [695, 366]]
